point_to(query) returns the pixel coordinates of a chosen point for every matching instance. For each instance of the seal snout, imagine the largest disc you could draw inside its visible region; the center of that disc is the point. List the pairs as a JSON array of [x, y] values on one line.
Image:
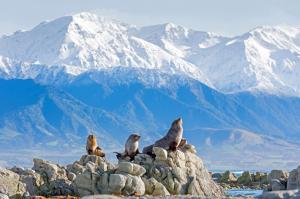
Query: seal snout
[[178, 121], [136, 137]]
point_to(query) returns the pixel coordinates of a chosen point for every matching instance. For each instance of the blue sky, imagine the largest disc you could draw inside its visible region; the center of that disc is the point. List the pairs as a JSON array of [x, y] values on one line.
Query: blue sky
[[227, 17]]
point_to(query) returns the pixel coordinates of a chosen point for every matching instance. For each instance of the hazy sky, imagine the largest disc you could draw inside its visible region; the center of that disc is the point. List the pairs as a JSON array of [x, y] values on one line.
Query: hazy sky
[[228, 17]]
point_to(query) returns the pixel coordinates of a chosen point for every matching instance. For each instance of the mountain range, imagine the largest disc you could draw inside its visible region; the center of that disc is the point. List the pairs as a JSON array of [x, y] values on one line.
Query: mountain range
[[81, 74]]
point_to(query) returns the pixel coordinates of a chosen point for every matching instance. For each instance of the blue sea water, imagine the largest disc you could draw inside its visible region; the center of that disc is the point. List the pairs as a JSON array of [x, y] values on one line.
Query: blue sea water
[[244, 192]]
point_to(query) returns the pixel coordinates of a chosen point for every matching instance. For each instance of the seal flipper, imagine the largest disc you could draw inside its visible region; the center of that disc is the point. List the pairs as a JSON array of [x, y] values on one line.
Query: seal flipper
[[90, 151], [173, 146], [118, 155]]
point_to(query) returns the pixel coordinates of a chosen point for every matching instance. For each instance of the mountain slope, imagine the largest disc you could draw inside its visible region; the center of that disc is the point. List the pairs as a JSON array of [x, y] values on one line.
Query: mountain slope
[[265, 59], [82, 74], [85, 42], [41, 118]]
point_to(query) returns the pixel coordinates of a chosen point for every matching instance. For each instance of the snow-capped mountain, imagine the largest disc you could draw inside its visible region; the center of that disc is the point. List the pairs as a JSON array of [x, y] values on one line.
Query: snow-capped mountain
[[85, 42], [82, 73], [265, 59]]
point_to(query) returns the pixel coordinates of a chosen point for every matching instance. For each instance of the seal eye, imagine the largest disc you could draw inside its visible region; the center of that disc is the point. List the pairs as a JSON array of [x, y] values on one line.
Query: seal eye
[[137, 137]]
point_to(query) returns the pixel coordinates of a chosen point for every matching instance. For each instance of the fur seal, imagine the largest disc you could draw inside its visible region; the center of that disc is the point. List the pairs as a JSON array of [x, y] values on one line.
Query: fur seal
[[92, 148], [170, 141], [131, 147]]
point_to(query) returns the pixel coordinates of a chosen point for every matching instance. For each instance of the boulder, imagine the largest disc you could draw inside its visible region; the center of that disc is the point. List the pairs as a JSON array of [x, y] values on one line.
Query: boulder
[[134, 186], [170, 172], [180, 172], [286, 194], [48, 179], [49, 170], [155, 188], [294, 179], [160, 153], [131, 168], [278, 174], [10, 184], [3, 196], [117, 183], [86, 183], [228, 177], [33, 182], [277, 185]]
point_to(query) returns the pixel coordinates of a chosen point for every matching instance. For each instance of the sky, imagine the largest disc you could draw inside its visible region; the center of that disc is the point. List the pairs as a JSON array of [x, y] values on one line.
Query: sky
[[225, 17]]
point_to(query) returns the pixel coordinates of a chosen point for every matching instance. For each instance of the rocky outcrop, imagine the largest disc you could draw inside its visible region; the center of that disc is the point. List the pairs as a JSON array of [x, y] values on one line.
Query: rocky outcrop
[[247, 180], [178, 172], [286, 194], [228, 177], [46, 179], [169, 173], [10, 184], [283, 184], [3, 196], [278, 180], [294, 179]]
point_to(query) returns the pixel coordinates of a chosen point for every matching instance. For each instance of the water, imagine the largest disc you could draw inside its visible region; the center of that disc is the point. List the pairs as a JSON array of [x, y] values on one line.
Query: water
[[244, 192]]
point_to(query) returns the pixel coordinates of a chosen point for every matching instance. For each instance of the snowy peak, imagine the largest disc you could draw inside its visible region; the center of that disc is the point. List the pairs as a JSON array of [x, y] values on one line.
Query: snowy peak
[[85, 42], [177, 40], [62, 41], [265, 59]]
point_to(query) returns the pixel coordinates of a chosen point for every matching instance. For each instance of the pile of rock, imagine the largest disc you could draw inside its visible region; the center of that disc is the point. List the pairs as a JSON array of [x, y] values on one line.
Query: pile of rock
[[277, 180], [283, 184], [94, 175], [282, 180], [229, 180], [178, 172], [294, 179], [168, 173], [10, 184]]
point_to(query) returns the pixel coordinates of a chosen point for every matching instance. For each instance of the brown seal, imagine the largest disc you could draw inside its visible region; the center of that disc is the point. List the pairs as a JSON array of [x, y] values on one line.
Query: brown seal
[[131, 147], [92, 148], [170, 141]]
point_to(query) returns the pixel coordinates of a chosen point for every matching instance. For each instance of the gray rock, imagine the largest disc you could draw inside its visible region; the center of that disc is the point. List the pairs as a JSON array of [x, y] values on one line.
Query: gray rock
[[33, 182], [278, 174], [49, 170], [155, 188], [134, 186], [131, 168], [293, 180], [3, 196], [86, 183], [182, 173], [10, 184], [117, 183], [228, 177], [160, 153], [91, 158], [71, 176], [277, 185], [287, 194], [102, 196]]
